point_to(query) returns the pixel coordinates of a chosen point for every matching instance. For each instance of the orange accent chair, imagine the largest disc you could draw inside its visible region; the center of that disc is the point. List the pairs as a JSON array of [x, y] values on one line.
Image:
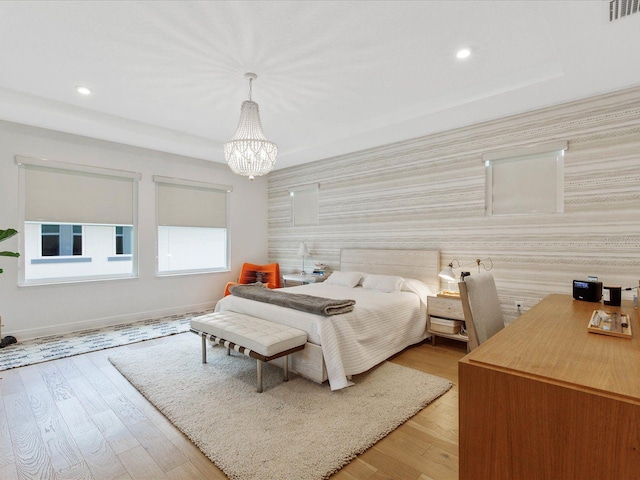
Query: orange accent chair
[[250, 273]]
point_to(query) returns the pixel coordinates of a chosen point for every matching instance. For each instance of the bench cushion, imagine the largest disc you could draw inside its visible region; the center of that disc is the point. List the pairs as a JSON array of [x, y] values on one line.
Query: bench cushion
[[261, 336]]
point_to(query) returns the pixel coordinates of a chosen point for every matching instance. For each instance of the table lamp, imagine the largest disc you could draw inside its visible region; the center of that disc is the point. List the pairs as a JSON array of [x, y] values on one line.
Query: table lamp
[[303, 252]]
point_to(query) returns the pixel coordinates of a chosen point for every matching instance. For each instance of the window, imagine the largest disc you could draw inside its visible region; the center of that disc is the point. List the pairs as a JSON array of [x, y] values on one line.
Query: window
[[525, 181], [304, 205], [124, 240], [192, 226], [50, 240], [70, 215], [60, 240]]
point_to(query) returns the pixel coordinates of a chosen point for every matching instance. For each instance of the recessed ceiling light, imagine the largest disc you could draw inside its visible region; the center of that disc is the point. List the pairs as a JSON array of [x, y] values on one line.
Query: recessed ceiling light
[[83, 90], [463, 53]]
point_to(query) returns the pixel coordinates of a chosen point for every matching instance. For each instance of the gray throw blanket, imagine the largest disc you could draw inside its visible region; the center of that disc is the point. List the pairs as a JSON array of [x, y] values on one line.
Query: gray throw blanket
[[306, 303]]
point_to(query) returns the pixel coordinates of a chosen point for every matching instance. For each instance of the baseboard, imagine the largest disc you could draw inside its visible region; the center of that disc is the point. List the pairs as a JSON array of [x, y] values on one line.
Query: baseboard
[[63, 328]]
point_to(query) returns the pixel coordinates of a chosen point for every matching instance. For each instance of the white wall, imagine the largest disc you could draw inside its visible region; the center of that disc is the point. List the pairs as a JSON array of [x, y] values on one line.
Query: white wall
[[38, 310]]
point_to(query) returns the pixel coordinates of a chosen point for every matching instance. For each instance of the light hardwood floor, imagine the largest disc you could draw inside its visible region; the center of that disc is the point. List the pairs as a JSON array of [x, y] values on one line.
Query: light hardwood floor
[[78, 418]]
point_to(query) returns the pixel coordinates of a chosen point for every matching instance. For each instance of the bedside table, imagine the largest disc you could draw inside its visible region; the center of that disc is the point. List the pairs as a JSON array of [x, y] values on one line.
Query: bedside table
[[447, 309], [308, 278]]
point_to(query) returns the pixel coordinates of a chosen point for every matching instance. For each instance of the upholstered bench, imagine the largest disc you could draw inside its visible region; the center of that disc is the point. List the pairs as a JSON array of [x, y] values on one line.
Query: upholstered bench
[[251, 336]]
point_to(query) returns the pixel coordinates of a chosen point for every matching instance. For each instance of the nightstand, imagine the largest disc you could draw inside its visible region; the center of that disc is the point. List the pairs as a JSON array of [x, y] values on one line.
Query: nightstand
[[447, 312], [298, 278]]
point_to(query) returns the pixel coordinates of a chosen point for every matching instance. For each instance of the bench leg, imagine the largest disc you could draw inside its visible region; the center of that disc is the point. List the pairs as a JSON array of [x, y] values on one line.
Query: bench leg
[[204, 349], [286, 368], [259, 376]]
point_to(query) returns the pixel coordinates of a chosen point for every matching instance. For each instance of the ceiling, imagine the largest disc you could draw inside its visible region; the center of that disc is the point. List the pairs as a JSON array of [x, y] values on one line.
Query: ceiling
[[333, 77]]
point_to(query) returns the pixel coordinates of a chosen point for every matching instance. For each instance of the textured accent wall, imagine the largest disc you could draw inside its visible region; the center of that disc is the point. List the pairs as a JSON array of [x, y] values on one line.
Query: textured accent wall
[[429, 192]]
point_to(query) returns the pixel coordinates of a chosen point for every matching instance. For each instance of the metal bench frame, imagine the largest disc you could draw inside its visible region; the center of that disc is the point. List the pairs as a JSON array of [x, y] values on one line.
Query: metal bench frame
[[248, 352]]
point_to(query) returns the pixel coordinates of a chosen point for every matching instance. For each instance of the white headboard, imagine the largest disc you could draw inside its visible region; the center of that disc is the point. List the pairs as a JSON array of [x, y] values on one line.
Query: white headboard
[[421, 264]]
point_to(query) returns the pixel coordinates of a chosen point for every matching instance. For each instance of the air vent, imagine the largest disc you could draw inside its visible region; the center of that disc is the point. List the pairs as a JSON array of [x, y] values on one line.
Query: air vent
[[622, 8]]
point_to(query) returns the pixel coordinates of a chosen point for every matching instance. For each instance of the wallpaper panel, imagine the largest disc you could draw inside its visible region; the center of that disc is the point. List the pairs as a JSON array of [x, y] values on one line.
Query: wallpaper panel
[[430, 192]]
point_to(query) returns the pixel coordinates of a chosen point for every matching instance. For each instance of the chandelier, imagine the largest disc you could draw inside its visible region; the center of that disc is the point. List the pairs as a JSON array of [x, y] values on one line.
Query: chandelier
[[249, 153]]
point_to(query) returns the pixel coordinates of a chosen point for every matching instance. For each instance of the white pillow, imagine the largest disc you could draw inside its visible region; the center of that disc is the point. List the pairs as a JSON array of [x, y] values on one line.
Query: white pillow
[[416, 286], [344, 279], [384, 283]]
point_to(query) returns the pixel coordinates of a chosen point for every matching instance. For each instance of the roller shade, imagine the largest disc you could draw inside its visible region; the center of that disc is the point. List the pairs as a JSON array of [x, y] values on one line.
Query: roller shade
[[183, 203], [82, 196], [304, 205], [525, 185], [525, 180]]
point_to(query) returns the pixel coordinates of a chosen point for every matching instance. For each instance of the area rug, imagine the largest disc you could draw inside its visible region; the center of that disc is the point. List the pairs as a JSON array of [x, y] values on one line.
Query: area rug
[[298, 430], [43, 349]]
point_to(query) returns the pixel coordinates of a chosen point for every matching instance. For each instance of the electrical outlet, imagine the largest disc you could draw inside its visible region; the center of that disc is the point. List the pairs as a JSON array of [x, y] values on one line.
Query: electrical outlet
[[519, 304]]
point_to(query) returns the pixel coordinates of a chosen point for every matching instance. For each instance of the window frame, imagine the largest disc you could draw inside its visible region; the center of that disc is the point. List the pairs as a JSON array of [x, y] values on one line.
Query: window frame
[[24, 163], [196, 185], [43, 234], [126, 245], [308, 202], [549, 151], [66, 239]]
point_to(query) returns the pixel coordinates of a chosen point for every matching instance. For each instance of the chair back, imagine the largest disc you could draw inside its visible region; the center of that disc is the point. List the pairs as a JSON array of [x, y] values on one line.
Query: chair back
[[250, 273], [481, 306], [270, 274]]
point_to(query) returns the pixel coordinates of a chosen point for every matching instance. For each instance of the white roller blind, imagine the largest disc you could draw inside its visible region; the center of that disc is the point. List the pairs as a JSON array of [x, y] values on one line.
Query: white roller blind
[[86, 195], [182, 203], [526, 185], [526, 180], [304, 205]]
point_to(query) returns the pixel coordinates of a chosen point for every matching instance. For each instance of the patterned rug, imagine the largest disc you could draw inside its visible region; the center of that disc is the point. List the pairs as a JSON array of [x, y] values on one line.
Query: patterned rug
[[59, 346]]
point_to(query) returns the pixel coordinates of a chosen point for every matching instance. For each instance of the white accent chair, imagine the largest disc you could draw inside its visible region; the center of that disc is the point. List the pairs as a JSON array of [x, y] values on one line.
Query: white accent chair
[[481, 307]]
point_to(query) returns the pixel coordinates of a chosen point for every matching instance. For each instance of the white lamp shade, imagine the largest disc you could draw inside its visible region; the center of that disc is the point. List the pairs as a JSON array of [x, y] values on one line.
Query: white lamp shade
[[447, 274], [302, 250]]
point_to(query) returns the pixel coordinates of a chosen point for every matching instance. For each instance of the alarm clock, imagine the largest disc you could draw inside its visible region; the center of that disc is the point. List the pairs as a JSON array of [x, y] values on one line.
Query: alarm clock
[[587, 291]]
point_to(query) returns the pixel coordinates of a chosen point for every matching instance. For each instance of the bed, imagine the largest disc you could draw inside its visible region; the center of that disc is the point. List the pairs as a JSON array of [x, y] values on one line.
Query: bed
[[381, 324]]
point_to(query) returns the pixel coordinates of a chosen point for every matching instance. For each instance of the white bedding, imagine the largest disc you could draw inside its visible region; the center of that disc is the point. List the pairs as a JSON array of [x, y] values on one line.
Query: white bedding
[[380, 325]]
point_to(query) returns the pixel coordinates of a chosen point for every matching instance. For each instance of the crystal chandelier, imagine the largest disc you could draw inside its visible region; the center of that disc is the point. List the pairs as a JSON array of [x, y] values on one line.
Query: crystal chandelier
[[249, 153]]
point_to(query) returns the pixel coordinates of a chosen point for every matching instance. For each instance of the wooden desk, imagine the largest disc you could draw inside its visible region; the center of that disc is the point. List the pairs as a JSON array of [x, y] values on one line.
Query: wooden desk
[[545, 399]]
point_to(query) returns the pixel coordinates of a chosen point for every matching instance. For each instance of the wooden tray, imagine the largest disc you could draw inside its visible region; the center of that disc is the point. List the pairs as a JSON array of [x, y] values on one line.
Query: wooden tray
[[616, 328]]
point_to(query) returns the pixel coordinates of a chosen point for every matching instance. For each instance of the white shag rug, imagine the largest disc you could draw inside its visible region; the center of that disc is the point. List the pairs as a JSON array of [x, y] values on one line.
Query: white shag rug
[[298, 430]]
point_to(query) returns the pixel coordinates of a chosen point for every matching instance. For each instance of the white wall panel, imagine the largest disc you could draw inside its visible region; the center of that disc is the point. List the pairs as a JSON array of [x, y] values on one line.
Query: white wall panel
[[429, 193]]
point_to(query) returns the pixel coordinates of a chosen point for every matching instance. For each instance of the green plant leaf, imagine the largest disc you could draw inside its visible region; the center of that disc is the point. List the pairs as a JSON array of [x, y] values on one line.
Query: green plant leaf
[[4, 234]]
